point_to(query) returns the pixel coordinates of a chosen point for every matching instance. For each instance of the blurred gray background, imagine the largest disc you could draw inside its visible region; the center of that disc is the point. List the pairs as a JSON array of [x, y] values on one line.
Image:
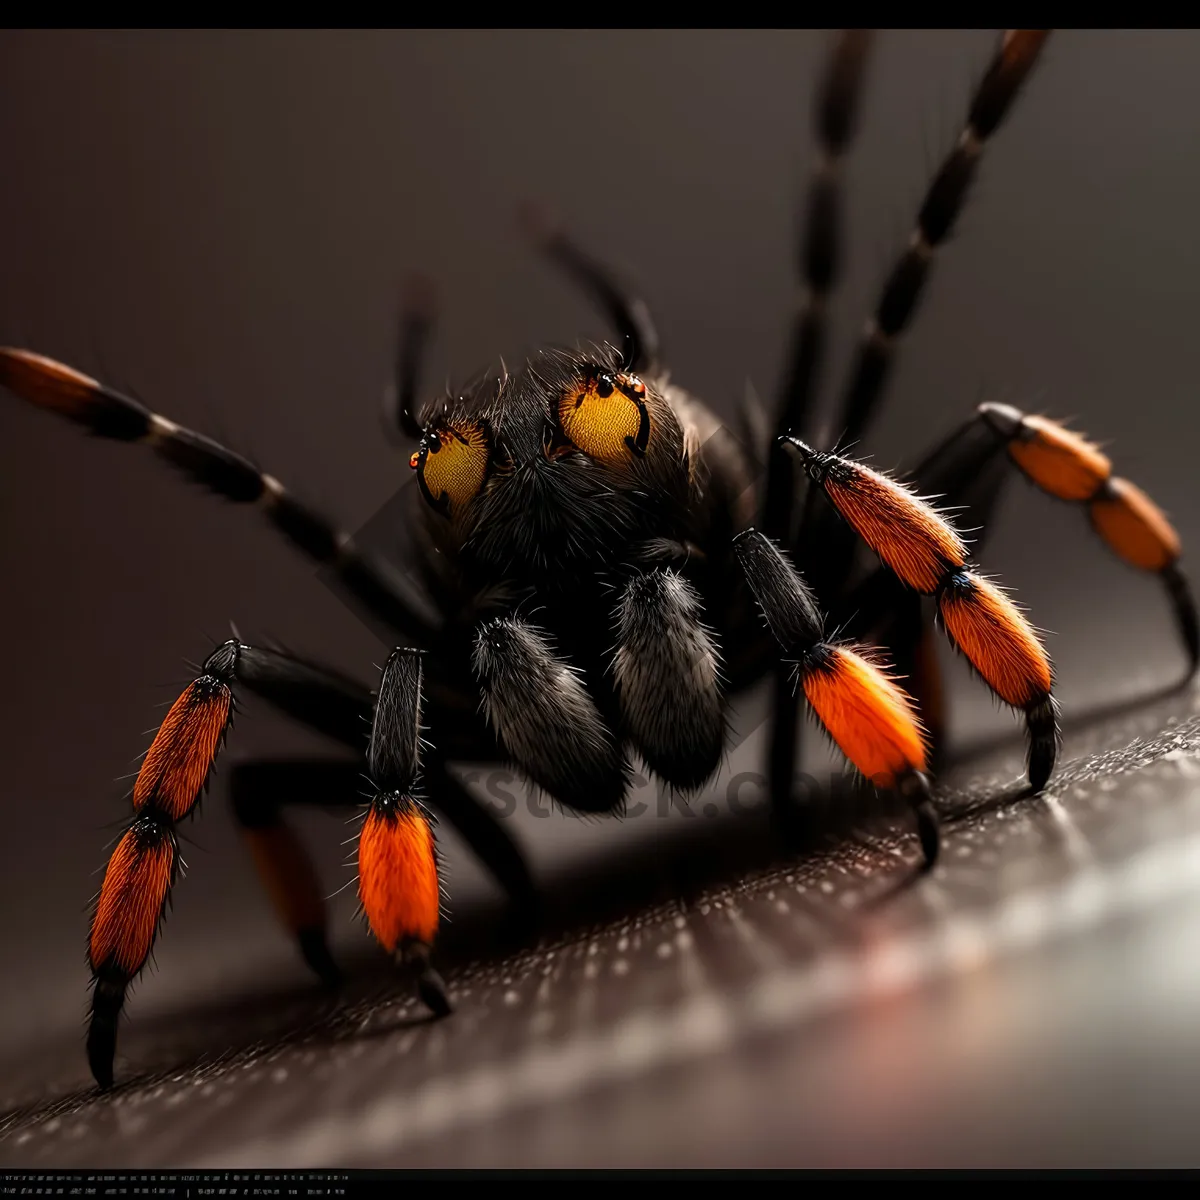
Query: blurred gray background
[[220, 223]]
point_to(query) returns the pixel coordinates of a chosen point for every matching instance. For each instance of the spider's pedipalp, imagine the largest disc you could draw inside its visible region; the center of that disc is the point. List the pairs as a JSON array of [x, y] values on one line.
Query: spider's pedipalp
[[372, 584], [667, 673], [926, 553], [867, 715], [545, 719]]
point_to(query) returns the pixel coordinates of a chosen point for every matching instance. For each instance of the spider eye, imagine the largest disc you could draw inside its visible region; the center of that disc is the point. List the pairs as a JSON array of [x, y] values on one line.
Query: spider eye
[[451, 465], [606, 417]]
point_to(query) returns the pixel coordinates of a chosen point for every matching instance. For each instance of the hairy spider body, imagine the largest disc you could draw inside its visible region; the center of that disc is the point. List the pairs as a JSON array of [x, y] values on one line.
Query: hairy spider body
[[601, 565], [563, 556]]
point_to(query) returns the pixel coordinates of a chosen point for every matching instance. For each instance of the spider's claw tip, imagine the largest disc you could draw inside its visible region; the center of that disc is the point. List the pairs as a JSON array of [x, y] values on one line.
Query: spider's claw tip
[[108, 998], [101, 1052], [413, 956], [432, 990], [915, 789]]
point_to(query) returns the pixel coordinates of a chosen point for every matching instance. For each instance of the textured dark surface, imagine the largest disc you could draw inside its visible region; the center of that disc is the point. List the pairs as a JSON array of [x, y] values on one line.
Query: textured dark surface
[[1032, 1003]]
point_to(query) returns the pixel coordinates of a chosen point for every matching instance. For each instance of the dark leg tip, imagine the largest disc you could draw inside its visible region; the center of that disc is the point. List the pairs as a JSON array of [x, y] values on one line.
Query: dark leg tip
[[1184, 604], [413, 956], [1041, 765], [108, 998], [315, 950], [101, 1051], [432, 990], [929, 831], [915, 789], [1041, 720]]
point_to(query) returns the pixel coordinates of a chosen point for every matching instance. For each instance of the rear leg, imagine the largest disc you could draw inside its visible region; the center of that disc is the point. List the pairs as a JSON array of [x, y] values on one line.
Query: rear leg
[[968, 470], [1131, 525], [835, 114], [944, 201], [993, 99]]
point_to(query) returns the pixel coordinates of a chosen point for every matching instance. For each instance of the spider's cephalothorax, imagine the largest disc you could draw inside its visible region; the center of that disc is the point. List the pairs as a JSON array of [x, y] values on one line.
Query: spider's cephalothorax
[[603, 564], [552, 472]]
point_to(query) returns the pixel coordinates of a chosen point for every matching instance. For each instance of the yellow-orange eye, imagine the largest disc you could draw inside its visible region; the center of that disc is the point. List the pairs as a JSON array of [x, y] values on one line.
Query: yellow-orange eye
[[451, 465], [606, 417]]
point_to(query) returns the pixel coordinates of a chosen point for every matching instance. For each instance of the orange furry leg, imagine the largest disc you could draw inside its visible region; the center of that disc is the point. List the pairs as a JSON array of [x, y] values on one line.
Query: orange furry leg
[[1003, 647], [1064, 464], [866, 713], [926, 553], [397, 855]]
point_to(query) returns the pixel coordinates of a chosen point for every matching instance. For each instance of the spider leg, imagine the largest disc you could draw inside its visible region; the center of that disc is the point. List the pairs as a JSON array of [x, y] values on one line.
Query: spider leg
[[1068, 467], [416, 321], [342, 709], [835, 115], [968, 470], [825, 553], [667, 671], [258, 792], [629, 315], [545, 719], [376, 588], [1010, 66], [397, 856], [871, 720], [918, 545], [145, 863]]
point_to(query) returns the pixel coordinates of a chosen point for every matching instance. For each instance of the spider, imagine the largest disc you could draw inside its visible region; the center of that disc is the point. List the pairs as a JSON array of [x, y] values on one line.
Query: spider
[[601, 565]]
